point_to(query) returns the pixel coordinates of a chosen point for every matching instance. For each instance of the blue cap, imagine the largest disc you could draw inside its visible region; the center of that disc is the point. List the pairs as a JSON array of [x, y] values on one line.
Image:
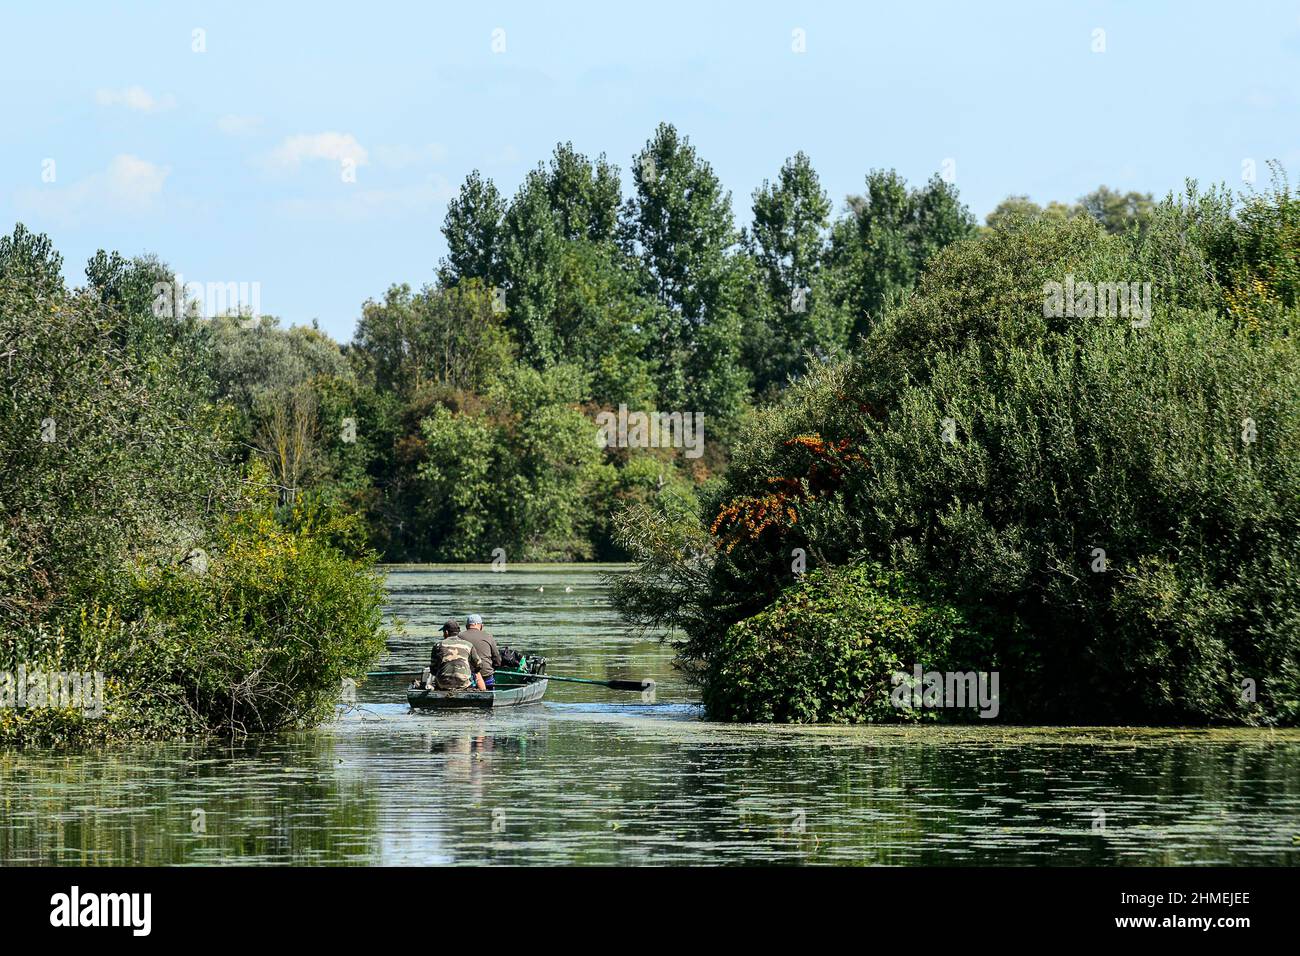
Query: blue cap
[[473, 619]]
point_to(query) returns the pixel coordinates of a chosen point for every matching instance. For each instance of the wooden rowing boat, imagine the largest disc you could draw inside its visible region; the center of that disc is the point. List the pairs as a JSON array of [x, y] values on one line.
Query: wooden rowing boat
[[509, 692]]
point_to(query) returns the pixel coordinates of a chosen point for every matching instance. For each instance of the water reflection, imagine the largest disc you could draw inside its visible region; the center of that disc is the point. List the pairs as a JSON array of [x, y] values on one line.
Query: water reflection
[[569, 785], [289, 802]]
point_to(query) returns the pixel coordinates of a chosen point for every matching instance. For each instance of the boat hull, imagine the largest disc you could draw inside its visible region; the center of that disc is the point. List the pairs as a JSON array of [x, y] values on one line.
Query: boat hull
[[504, 696]]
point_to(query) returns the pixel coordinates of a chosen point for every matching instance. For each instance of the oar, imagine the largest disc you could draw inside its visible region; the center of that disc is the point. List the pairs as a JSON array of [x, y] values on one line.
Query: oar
[[635, 685]]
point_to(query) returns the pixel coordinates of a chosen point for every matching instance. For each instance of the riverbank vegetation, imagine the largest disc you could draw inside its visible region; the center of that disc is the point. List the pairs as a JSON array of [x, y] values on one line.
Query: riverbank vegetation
[[923, 445], [1108, 494], [134, 543]]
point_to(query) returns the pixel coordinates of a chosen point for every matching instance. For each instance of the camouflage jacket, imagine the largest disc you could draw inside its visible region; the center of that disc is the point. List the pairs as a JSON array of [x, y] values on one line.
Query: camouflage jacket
[[454, 664]]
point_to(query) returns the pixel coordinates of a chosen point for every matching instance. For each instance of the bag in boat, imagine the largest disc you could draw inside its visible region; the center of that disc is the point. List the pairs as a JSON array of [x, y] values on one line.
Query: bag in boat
[[513, 660]]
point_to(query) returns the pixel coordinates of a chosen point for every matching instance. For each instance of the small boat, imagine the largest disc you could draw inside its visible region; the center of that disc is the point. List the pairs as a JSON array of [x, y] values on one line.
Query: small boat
[[508, 692]]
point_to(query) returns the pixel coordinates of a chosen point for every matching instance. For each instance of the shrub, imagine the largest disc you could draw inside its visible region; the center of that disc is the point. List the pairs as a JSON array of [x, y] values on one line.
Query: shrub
[[826, 650], [260, 641], [269, 632]]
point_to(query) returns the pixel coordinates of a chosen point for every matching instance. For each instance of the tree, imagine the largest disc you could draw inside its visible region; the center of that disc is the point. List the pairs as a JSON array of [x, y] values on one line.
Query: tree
[[1019, 207], [679, 225], [31, 258], [472, 228], [790, 219], [288, 438], [788, 245], [569, 201], [518, 474], [112, 453], [128, 290], [1023, 209], [532, 245], [449, 337], [604, 323], [585, 196], [254, 362], [127, 284], [888, 237], [716, 381], [1117, 212]]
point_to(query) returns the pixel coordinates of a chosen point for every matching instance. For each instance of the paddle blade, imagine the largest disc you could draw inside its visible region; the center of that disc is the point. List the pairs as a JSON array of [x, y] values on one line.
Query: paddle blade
[[636, 685]]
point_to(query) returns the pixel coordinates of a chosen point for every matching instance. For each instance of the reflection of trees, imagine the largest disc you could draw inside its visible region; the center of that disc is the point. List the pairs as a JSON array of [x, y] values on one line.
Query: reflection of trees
[[467, 758], [602, 793], [801, 801], [582, 791], [278, 801]]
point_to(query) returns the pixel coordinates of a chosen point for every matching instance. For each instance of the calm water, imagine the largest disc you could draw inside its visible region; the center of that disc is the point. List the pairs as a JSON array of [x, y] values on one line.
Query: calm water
[[593, 776]]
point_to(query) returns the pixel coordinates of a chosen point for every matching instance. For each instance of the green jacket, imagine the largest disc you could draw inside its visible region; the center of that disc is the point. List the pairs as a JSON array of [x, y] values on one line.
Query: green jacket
[[454, 663]]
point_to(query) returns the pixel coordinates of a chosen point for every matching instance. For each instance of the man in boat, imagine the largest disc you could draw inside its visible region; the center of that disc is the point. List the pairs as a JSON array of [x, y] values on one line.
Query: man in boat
[[455, 664], [486, 645]]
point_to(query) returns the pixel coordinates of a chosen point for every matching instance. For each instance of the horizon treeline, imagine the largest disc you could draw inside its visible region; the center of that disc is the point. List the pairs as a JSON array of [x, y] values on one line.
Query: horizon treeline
[[459, 421]]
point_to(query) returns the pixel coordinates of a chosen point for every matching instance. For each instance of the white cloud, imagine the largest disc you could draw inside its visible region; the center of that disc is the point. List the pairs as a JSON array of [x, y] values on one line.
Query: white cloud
[[233, 125], [129, 186], [333, 147], [353, 203], [135, 98], [135, 182]]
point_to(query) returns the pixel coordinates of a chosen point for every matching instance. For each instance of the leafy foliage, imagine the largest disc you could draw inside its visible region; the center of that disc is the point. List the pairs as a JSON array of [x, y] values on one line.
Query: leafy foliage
[[995, 449], [516, 474], [453, 338], [889, 237], [121, 483], [826, 650], [1116, 212]]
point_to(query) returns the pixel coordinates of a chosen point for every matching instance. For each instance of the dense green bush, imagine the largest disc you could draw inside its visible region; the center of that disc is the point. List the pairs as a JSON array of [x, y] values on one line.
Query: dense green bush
[[259, 640], [979, 443], [130, 542], [827, 649]]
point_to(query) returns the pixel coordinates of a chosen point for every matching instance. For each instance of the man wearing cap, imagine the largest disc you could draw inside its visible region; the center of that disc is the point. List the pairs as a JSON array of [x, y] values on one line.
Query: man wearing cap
[[455, 664], [488, 653]]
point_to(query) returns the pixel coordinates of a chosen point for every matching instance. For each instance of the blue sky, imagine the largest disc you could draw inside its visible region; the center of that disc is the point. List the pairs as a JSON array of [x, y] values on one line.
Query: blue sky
[[228, 163]]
